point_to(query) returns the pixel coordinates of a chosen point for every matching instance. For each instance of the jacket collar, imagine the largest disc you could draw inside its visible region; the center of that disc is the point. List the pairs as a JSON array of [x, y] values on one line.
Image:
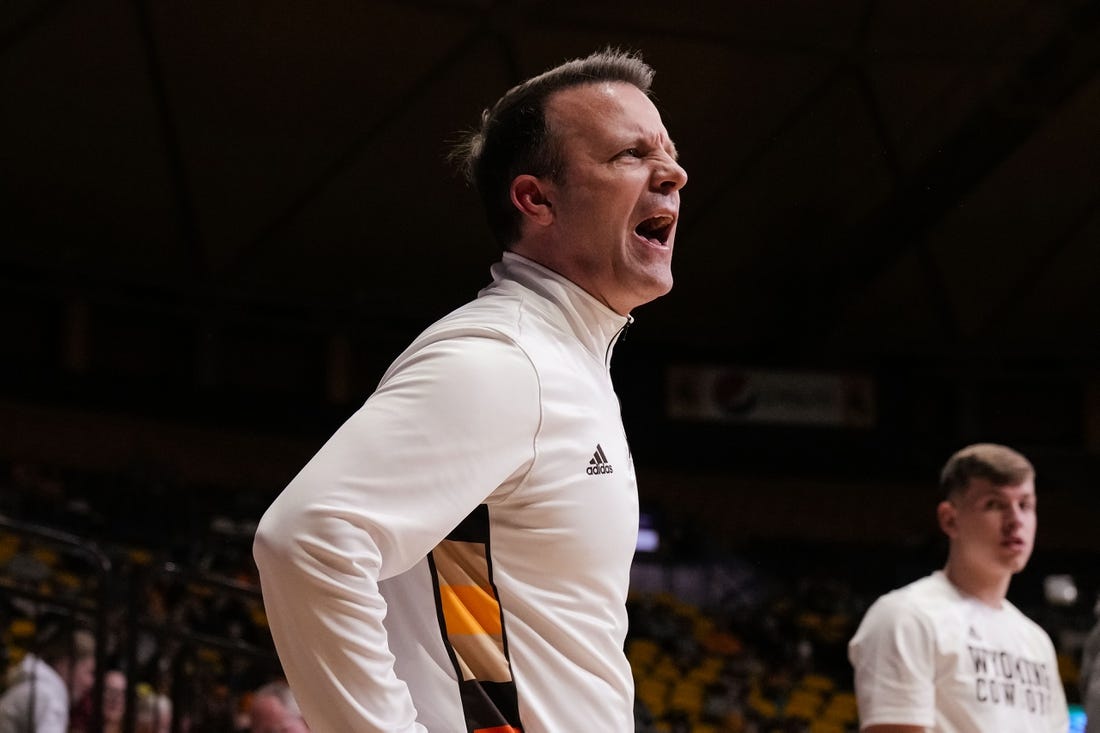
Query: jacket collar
[[594, 324]]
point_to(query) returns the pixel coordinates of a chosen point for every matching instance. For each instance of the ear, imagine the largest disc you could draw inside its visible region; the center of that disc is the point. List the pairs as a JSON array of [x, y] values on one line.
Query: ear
[[948, 518], [531, 196]]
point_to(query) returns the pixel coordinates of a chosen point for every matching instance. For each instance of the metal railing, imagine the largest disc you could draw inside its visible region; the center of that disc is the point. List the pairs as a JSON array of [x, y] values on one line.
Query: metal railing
[[78, 607], [113, 601]]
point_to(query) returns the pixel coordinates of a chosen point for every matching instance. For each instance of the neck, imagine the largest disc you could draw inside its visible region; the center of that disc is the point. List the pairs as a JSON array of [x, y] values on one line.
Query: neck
[[990, 589]]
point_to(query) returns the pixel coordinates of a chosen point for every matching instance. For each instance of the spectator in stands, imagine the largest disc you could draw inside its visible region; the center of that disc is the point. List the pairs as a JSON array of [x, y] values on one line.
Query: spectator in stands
[[114, 701], [114, 706], [42, 688], [154, 712], [274, 710], [949, 652]]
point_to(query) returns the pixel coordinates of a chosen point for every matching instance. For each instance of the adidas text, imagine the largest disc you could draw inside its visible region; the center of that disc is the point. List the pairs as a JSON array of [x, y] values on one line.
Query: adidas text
[[602, 468]]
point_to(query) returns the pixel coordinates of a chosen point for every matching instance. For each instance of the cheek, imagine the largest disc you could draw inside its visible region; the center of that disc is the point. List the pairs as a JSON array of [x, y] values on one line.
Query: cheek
[[981, 526]]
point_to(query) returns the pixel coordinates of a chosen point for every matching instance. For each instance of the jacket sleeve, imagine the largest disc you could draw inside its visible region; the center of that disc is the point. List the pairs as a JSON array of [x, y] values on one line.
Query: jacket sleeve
[[453, 423]]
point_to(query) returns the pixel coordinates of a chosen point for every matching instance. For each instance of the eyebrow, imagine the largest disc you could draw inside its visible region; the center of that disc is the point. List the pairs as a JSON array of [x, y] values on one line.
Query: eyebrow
[[1003, 492], [669, 145], [663, 142]]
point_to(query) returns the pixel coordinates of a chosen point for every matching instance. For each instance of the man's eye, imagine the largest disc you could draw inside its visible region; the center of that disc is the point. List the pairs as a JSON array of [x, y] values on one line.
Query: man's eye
[[631, 153]]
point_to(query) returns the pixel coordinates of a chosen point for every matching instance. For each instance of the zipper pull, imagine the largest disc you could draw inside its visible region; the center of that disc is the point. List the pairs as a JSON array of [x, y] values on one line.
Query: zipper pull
[[623, 330], [617, 339]]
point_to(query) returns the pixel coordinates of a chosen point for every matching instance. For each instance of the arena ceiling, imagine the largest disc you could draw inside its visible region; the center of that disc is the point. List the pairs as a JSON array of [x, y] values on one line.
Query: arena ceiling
[[871, 182]]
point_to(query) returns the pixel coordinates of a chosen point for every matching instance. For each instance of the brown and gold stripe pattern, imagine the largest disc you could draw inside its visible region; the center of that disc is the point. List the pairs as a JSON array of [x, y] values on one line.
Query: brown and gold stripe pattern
[[473, 631]]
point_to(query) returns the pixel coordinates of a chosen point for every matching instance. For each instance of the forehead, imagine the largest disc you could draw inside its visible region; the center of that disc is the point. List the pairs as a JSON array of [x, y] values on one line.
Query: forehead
[[603, 110], [979, 487]]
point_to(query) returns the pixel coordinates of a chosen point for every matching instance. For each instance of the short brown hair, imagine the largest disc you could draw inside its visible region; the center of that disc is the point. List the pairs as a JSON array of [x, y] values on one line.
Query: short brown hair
[[514, 138], [999, 464], [58, 643]]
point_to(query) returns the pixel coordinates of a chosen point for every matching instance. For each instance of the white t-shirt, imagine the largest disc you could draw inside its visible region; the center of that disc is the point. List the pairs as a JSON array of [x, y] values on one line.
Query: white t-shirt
[[929, 656]]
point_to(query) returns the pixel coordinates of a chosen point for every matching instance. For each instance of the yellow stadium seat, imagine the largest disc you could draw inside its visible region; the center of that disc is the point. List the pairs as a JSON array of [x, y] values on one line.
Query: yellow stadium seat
[[68, 580], [841, 709], [642, 652], [666, 669], [139, 556], [1068, 669], [46, 556], [686, 696], [654, 693], [818, 682], [21, 628], [826, 726]]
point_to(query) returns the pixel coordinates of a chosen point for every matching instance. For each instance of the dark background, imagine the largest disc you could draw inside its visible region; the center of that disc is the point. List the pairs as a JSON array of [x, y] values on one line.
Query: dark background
[[219, 222]]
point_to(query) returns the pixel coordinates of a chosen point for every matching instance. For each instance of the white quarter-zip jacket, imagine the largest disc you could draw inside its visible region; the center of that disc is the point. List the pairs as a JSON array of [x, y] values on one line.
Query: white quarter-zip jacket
[[456, 557]]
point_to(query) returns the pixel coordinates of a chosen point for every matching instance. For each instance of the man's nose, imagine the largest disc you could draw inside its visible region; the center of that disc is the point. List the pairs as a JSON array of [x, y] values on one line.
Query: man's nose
[[671, 176]]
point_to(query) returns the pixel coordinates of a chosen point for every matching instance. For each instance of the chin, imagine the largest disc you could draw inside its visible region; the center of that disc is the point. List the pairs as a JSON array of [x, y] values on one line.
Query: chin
[[650, 297], [646, 290], [1017, 563], [664, 289], [660, 284]]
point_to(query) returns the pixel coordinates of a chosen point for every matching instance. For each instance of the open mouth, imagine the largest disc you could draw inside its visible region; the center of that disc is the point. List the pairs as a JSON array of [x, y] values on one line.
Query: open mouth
[[656, 229]]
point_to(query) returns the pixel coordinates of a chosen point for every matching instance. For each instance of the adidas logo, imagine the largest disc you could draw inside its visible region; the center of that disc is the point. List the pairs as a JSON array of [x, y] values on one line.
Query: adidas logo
[[599, 463]]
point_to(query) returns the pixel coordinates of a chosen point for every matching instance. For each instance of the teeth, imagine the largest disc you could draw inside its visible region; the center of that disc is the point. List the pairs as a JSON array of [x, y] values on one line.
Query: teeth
[[655, 223]]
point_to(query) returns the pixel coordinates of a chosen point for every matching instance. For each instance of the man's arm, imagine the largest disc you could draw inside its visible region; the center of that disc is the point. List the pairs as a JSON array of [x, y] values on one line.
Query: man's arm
[[427, 448], [893, 659]]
